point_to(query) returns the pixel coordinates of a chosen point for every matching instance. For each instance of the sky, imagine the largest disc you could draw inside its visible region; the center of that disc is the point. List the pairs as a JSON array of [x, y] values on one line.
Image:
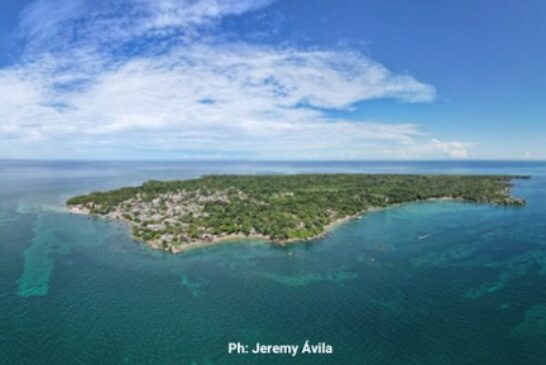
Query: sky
[[273, 80]]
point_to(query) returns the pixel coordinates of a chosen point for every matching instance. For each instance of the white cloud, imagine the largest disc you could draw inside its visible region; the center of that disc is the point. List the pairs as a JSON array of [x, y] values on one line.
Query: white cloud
[[65, 24], [43, 16], [197, 97], [249, 90], [451, 149], [184, 13]]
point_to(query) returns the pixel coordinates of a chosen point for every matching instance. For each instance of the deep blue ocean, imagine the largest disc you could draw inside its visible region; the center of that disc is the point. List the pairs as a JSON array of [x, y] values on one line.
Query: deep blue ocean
[[423, 283]]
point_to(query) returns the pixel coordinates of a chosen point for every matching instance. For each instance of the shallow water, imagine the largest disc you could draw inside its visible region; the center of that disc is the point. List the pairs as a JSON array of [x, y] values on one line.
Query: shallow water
[[424, 283]]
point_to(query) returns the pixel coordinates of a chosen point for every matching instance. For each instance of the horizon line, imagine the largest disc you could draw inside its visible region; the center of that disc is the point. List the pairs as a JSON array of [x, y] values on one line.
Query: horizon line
[[265, 160]]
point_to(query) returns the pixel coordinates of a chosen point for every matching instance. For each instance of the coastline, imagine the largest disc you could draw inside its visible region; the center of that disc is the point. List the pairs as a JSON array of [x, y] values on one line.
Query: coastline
[[160, 211], [254, 237], [174, 250], [327, 229]]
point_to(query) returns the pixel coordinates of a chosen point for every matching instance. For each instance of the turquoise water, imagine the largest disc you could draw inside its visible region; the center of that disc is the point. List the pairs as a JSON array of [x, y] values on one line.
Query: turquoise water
[[424, 283]]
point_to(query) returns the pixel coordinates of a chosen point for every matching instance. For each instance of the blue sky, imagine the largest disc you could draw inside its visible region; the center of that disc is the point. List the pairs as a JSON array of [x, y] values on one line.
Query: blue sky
[[265, 79]]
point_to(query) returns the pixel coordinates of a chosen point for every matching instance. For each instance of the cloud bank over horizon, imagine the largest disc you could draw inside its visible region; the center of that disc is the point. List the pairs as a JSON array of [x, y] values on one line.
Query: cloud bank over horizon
[[149, 79]]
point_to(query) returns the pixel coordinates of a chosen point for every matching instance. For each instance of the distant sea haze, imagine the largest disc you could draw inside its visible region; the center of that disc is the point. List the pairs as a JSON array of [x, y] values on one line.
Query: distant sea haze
[[430, 283]]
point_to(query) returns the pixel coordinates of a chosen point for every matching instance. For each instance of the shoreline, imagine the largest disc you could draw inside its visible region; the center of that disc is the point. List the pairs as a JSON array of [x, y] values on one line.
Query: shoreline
[[229, 238], [179, 215], [255, 237]]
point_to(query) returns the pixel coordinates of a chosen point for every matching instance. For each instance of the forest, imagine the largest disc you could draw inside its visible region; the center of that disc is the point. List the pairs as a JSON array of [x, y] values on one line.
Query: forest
[[279, 207]]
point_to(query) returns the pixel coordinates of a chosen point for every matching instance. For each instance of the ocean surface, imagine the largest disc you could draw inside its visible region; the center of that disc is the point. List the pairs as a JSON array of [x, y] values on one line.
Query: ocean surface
[[423, 283]]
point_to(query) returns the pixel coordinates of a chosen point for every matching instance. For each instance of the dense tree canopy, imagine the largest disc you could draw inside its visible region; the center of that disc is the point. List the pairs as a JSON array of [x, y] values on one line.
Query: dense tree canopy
[[277, 206]]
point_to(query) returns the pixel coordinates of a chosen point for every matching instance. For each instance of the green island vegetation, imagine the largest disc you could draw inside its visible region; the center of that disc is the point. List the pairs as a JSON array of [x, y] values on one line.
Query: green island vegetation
[[171, 215]]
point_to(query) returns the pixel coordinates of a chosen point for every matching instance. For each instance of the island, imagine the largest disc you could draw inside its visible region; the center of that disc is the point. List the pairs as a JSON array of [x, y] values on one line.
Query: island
[[181, 214]]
